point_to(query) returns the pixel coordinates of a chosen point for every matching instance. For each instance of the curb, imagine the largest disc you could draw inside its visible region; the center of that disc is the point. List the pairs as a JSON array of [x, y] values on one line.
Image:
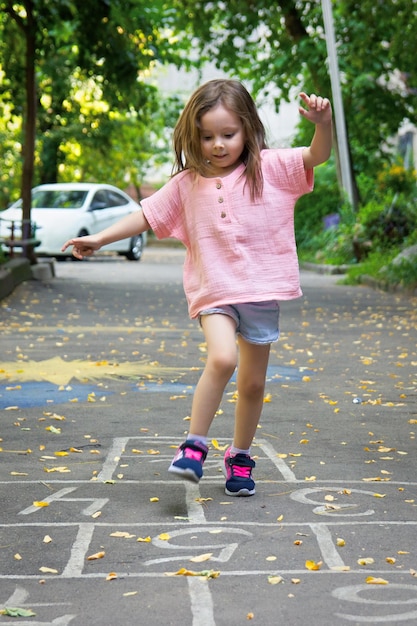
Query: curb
[[324, 269], [368, 281], [17, 271], [374, 283]]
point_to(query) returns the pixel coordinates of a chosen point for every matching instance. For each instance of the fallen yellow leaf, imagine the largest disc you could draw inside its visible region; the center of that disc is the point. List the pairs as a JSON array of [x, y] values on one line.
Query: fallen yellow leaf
[[48, 570], [97, 555], [275, 580], [202, 557], [371, 580], [54, 430], [313, 566], [366, 561], [217, 446], [40, 503], [186, 572]]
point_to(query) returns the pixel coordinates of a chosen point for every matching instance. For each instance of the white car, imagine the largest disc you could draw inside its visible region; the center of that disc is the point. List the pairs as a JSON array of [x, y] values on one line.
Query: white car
[[64, 210]]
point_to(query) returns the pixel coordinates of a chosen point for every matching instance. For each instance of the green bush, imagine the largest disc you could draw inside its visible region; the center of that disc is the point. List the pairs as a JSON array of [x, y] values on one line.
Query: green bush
[[371, 266], [380, 266], [388, 223], [367, 240], [394, 178], [403, 273]]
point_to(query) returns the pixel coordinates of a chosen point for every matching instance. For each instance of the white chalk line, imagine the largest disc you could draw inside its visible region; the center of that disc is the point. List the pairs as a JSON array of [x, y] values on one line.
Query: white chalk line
[[364, 572]]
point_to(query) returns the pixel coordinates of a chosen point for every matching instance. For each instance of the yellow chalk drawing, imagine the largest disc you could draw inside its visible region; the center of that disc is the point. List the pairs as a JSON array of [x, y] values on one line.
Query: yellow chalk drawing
[[60, 372]]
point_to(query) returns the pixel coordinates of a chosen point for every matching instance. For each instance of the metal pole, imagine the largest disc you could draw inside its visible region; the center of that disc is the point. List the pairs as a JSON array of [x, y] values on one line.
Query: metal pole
[[339, 114]]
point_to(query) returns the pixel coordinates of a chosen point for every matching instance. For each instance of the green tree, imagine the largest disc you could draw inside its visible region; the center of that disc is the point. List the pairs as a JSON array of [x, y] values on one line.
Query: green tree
[[93, 47]]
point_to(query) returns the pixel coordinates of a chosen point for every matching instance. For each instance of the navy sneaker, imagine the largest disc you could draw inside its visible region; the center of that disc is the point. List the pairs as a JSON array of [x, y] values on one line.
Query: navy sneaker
[[188, 460], [238, 471]]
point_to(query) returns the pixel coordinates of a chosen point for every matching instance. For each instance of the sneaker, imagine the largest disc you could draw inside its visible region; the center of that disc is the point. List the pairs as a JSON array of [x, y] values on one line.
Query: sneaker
[[188, 460], [238, 471]]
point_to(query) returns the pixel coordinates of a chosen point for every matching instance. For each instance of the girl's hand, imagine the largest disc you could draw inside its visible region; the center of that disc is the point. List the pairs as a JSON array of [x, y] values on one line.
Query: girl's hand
[[82, 246], [318, 111]]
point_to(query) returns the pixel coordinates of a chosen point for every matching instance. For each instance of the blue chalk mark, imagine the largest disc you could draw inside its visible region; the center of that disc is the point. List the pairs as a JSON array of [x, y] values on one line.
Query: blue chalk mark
[[43, 393], [34, 394]]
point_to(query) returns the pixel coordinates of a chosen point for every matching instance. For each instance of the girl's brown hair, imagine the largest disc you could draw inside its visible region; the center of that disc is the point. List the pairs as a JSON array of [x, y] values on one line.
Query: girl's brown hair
[[234, 96]]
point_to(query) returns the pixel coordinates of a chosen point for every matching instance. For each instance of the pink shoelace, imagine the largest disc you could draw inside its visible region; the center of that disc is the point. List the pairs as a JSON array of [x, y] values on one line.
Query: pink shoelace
[[240, 472]]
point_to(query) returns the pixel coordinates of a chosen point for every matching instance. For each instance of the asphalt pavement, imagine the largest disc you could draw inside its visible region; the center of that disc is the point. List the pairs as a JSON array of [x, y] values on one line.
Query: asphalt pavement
[[98, 366]]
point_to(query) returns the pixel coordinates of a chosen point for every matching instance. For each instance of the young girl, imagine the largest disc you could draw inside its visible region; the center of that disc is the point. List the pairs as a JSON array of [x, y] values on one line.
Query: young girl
[[231, 203]]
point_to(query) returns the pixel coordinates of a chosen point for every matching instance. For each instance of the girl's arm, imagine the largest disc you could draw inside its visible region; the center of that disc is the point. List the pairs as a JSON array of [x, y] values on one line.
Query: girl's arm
[[130, 225], [319, 112]]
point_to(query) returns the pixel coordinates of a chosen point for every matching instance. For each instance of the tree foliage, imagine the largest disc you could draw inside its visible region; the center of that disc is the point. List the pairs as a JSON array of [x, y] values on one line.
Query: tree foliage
[[280, 46], [71, 71]]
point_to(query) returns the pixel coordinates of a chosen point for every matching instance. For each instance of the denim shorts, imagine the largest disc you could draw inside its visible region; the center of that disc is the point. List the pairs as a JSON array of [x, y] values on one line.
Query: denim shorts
[[256, 322]]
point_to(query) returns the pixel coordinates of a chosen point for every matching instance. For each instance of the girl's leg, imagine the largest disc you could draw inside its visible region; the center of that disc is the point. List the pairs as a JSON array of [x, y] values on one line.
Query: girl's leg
[[220, 335], [253, 363]]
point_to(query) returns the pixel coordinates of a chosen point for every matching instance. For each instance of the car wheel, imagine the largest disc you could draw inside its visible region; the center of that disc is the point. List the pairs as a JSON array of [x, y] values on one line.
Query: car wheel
[[135, 248]]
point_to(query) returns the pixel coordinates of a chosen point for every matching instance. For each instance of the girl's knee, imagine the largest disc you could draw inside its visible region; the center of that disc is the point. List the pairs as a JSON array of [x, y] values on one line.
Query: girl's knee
[[251, 387], [223, 364]]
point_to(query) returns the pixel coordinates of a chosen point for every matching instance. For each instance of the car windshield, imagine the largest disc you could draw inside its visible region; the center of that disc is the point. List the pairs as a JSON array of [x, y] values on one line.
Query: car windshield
[[58, 198]]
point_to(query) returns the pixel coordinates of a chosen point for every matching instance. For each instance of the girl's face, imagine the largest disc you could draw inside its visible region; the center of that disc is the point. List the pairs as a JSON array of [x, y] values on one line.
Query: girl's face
[[222, 139]]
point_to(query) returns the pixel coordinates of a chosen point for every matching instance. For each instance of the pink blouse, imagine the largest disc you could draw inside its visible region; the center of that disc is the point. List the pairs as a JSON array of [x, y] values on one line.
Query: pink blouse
[[237, 250]]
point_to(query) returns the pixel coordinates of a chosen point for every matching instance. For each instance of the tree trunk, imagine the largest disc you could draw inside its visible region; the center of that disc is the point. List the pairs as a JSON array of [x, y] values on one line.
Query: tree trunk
[[28, 150]]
